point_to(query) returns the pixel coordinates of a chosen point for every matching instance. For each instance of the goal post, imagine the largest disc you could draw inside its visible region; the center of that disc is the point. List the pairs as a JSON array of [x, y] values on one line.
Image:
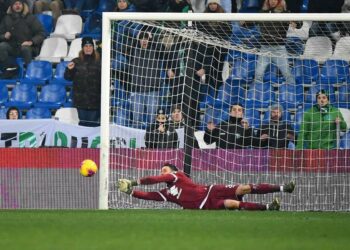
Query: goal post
[[322, 174]]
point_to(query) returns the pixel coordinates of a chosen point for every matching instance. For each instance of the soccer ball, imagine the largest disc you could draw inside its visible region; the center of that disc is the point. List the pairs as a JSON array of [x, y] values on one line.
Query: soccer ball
[[88, 168]]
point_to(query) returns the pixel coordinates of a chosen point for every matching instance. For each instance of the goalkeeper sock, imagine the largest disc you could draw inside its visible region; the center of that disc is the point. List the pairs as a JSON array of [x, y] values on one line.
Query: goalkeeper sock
[[251, 206], [264, 188]]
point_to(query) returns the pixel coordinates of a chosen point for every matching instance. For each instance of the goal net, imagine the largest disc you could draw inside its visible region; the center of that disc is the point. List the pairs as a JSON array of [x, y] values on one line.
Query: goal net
[[263, 97]]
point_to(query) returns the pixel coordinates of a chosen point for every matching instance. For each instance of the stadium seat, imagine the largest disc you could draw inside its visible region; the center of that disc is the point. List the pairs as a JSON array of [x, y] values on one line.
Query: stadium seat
[[342, 49], [13, 81], [334, 72], [121, 116], [46, 21], [243, 36], [345, 141], [52, 96], [120, 97], [295, 46], [37, 73], [38, 113], [251, 6], [68, 26], [305, 71], [243, 69], [119, 63], [259, 96], [53, 50], [3, 112], [253, 117], [290, 96], [214, 115], [67, 115], [343, 97], [58, 77], [105, 6], [69, 100], [93, 26], [229, 93], [298, 119], [318, 48], [4, 95], [207, 96], [23, 96]]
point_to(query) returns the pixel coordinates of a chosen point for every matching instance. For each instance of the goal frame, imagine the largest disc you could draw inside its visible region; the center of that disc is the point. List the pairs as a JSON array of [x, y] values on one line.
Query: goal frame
[[140, 16]]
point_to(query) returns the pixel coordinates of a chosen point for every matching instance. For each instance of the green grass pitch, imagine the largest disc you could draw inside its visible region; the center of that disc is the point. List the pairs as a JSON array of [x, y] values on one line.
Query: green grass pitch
[[172, 229]]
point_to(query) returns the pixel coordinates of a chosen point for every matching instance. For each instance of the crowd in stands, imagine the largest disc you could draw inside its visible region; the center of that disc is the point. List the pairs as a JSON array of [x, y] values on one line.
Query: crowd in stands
[[23, 34]]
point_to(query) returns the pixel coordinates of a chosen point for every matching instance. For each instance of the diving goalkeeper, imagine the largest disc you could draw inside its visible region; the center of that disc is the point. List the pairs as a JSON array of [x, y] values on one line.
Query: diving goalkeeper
[[189, 195]]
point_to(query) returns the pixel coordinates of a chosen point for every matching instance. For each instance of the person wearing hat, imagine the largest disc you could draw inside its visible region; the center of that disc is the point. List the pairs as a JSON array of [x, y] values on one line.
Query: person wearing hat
[[321, 125], [85, 72], [277, 133], [213, 6], [159, 134], [21, 35], [182, 191]]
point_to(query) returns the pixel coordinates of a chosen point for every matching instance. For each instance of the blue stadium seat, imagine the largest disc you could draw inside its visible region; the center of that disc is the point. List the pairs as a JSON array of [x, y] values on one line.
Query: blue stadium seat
[[120, 62], [23, 96], [286, 117], [345, 141], [3, 112], [251, 6], [93, 26], [4, 95], [47, 22], [38, 113], [290, 96], [343, 100], [243, 69], [229, 93], [253, 116], [305, 71], [259, 96], [334, 72], [121, 116], [58, 77], [295, 46], [245, 36], [69, 100], [310, 95], [207, 96], [51, 96], [38, 73], [214, 115], [120, 97]]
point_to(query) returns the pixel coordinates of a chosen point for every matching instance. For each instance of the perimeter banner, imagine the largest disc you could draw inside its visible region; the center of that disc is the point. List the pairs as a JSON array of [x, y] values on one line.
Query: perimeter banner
[[52, 133]]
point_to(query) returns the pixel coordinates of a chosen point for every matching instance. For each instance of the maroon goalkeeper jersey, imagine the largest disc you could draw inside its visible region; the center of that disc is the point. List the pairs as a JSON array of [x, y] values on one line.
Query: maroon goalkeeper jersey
[[180, 190]]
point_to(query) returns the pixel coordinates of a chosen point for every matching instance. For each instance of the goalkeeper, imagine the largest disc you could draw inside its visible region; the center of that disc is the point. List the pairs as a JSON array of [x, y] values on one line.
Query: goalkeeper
[[189, 195]]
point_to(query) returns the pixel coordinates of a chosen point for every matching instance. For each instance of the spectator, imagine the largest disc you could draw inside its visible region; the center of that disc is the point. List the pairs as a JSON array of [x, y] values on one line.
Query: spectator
[[230, 6], [21, 35], [294, 6], [55, 6], [198, 6], [180, 6], [277, 133], [124, 6], [85, 72], [273, 35], [232, 134], [13, 113], [145, 81], [160, 134], [321, 125], [213, 6], [176, 120]]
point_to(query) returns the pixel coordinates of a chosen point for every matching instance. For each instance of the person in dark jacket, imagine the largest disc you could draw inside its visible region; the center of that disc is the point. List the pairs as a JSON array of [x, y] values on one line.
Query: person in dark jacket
[[277, 133], [85, 72], [232, 134], [21, 35], [160, 134], [273, 36], [176, 121]]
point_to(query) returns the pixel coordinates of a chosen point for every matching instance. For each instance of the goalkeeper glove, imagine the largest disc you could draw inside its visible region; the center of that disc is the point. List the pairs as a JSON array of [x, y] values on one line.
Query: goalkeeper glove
[[124, 185]]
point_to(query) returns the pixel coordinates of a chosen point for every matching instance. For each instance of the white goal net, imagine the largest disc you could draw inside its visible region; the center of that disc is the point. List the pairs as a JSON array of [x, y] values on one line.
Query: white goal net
[[264, 98]]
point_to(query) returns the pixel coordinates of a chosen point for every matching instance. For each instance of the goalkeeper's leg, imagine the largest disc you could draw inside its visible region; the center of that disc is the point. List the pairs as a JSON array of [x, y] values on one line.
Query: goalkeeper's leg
[[264, 188], [234, 204]]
